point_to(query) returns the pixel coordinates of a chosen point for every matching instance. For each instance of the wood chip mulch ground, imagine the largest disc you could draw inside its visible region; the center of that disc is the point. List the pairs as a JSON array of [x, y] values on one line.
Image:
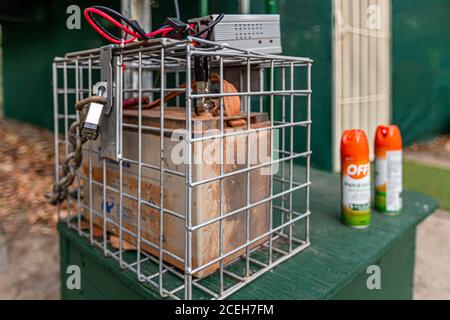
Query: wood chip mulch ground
[[26, 173], [435, 150], [29, 259]]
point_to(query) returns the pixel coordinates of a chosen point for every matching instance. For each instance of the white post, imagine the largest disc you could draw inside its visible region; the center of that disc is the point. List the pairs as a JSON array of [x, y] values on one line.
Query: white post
[[141, 11], [244, 6]]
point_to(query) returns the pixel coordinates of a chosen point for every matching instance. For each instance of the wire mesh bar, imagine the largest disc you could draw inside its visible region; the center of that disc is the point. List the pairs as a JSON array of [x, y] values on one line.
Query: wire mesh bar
[[247, 196], [56, 127], [221, 268], [161, 173], [119, 104], [188, 188], [192, 229], [139, 182]]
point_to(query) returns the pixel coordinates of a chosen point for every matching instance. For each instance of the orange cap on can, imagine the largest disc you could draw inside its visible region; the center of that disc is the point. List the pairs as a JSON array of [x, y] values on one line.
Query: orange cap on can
[[354, 144], [388, 137]]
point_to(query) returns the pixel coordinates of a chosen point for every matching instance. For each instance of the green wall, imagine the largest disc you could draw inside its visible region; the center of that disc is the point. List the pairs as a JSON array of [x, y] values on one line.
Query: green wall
[[29, 48], [30, 42], [33, 39], [421, 68], [307, 32]]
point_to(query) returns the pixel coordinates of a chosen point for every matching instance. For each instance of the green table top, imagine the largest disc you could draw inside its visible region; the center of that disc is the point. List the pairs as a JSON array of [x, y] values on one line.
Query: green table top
[[337, 253]]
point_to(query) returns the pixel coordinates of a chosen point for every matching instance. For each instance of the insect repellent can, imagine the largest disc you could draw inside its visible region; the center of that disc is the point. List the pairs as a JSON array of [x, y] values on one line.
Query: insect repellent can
[[388, 169], [355, 179]]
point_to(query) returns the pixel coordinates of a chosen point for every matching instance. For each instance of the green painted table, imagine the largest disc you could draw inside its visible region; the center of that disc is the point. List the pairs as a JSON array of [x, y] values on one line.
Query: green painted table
[[334, 267]]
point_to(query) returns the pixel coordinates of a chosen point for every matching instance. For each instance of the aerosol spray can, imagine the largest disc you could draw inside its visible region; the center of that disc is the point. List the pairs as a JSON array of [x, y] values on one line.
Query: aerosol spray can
[[388, 170], [355, 179]]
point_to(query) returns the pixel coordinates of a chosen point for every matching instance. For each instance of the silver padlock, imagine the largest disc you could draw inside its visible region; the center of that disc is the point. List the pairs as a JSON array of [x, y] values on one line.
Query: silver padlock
[[90, 128], [91, 124]]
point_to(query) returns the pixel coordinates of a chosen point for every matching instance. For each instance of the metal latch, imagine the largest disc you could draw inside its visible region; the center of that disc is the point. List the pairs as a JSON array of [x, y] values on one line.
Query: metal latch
[[109, 133]]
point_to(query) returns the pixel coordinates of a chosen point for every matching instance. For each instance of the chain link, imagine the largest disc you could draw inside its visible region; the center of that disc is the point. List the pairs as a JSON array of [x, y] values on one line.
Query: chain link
[[74, 158]]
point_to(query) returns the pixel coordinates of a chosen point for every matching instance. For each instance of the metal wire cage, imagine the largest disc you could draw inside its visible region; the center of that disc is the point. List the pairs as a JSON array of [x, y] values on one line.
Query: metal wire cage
[[187, 226]]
